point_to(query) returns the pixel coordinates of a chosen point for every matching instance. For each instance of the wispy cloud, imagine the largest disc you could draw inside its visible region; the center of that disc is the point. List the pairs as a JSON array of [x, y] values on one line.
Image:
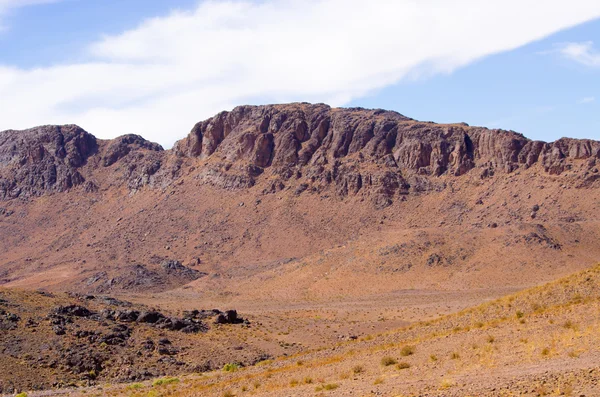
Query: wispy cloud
[[162, 76], [587, 99], [583, 53]]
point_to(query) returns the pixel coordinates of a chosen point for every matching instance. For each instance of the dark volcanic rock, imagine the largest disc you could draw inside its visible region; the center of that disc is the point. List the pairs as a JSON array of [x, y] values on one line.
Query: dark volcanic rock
[[43, 159], [121, 146], [299, 146], [72, 310]]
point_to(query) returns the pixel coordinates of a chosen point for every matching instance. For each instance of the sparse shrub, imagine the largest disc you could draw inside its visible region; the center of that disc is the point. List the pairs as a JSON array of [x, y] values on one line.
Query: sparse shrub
[[479, 324], [545, 351], [244, 388], [358, 369], [403, 365], [231, 367], [455, 356], [446, 383], [569, 324], [387, 361], [491, 339], [165, 381], [256, 384], [378, 381], [21, 395], [407, 351], [299, 363], [329, 386], [294, 382], [573, 354], [135, 386], [520, 314], [308, 380], [433, 357], [228, 393], [541, 390]]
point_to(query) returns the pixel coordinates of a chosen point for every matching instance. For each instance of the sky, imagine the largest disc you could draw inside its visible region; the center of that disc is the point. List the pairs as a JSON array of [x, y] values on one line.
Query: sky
[[156, 67]]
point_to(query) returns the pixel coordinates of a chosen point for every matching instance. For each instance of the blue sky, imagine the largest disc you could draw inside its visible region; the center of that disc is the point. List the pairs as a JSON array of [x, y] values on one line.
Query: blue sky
[[155, 67]]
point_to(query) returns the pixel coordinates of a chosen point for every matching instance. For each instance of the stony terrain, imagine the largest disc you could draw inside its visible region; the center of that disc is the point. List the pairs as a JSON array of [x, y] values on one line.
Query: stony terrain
[[317, 224]]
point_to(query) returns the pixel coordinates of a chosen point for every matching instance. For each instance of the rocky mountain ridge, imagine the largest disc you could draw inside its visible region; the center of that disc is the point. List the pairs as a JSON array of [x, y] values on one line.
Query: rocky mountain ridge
[[295, 146]]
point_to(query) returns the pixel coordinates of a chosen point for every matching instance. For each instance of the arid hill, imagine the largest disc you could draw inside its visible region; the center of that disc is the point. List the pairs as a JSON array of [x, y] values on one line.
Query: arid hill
[[261, 188], [318, 224]]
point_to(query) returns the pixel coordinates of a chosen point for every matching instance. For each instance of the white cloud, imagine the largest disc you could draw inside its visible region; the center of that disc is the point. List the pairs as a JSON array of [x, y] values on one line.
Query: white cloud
[[161, 77], [587, 99], [583, 53]]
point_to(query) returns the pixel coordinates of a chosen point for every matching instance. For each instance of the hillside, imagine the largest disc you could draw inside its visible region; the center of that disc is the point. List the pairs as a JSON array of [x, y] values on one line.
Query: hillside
[[259, 188], [541, 341]]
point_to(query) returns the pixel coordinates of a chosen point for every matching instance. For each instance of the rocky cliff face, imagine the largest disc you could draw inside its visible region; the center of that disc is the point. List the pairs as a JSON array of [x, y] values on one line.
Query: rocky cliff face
[[356, 150], [297, 146]]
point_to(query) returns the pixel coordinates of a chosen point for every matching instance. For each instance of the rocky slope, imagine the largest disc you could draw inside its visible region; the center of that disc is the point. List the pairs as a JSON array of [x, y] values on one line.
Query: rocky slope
[[252, 190], [312, 147]]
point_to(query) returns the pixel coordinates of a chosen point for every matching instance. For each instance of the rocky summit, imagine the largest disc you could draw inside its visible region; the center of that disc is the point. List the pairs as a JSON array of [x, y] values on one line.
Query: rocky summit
[[306, 147]]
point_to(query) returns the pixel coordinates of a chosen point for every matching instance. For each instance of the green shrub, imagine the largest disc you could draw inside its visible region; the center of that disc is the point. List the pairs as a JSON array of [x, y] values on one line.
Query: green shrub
[[231, 367], [165, 381], [21, 395]]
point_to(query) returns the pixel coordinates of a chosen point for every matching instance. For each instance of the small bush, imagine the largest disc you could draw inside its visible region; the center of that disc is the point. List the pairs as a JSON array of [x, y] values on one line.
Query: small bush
[[433, 357], [228, 393], [308, 380], [569, 324], [403, 365], [165, 381], [329, 386], [573, 354], [21, 395], [455, 356], [446, 383], [294, 382], [358, 369], [407, 351], [387, 361], [256, 384], [378, 381], [231, 367], [491, 339], [520, 314], [545, 351], [135, 386]]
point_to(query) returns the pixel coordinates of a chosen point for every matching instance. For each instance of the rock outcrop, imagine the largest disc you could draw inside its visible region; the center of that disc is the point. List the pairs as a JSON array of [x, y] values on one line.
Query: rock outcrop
[[43, 159], [304, 147], [358, 149]]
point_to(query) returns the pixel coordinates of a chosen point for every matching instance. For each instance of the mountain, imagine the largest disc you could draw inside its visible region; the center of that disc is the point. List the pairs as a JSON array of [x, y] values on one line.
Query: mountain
[[317, 224], [262, 187]]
